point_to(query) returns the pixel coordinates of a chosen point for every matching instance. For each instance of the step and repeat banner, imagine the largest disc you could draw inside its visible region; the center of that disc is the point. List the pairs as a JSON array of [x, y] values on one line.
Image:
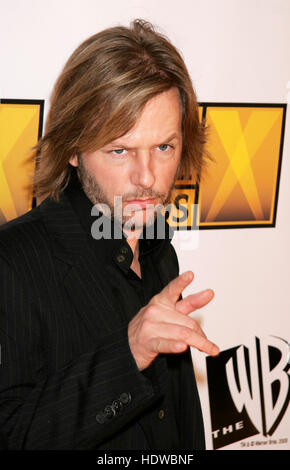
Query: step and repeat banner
[[232, 230]]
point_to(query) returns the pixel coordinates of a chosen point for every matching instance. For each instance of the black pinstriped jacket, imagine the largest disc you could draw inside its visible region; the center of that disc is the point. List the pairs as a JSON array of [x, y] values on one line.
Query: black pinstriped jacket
[[64, 350]]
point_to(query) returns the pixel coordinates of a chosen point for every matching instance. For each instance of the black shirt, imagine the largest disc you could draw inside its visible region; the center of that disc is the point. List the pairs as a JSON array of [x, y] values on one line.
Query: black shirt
[[160, 425]]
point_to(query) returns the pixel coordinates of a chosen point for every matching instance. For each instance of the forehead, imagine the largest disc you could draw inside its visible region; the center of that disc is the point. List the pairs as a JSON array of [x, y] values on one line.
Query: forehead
[[160, 118]]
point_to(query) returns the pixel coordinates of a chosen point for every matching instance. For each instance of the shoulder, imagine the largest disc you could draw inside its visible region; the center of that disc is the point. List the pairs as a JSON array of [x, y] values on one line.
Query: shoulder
[[23, 235], [26, 223]]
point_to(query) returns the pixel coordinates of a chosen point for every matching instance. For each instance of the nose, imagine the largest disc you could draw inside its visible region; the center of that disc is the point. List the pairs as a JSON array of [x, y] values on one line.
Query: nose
[[143, 172]]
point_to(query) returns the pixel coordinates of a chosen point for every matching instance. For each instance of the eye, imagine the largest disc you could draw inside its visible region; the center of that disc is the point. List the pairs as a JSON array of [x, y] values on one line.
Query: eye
[[118, 152], [164, 147]]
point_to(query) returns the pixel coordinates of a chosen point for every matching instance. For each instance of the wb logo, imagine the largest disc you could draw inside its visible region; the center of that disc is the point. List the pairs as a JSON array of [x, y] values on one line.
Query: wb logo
[[249, 389]]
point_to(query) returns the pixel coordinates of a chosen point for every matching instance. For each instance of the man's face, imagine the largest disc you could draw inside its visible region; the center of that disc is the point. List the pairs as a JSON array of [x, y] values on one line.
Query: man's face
[[141, 166]]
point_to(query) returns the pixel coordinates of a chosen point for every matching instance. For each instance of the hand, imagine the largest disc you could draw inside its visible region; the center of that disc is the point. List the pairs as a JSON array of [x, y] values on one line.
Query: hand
[[163, 325]]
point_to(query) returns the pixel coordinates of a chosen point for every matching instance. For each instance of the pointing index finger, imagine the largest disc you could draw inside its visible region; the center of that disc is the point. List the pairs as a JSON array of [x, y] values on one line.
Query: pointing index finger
[[171, 293]]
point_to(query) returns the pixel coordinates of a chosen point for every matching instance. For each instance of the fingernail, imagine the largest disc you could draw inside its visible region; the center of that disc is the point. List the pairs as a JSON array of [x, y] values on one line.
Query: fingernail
[[216, 350], [208, 291], [188, 275]]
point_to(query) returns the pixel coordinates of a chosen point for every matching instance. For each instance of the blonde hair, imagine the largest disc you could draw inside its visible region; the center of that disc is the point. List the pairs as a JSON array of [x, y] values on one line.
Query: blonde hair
[[100, 94]]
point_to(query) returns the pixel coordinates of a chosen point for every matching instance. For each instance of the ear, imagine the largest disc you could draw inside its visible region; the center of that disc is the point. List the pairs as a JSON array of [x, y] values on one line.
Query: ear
[[74, 161]]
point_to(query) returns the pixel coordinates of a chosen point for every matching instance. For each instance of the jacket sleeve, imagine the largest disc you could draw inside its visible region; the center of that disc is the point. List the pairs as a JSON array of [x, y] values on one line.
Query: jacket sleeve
[[77, 406]]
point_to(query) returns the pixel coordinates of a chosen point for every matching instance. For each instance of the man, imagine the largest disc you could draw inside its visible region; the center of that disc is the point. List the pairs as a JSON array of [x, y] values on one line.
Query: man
[[95, 334]]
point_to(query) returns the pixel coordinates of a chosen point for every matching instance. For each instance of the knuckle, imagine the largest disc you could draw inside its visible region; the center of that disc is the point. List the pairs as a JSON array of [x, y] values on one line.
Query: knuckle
[[150, 311], [158, 344], [183, 332], [193, 324], [146, 327], [196, 328], [154, 300]]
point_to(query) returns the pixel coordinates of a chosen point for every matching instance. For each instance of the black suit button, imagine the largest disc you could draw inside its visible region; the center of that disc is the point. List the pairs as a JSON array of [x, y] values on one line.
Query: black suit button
[[161, 414], [110, 412], [125, 398], [117, 405], [124, 250], [101, 417], [120, 258]]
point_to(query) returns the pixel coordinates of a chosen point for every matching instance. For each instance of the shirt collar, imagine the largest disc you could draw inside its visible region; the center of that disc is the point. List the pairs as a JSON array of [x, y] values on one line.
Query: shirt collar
[[116, 250]]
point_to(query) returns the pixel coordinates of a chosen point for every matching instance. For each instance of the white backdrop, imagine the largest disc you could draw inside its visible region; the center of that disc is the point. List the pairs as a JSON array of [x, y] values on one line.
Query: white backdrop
[[236, 51]]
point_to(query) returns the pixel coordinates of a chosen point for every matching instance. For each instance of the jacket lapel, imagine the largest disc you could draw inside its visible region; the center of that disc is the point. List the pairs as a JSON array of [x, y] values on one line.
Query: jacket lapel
[[84, 280]]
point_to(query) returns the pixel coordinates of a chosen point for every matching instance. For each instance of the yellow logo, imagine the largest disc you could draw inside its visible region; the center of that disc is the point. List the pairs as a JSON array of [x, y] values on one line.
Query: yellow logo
[[240, 188], [20, 128]]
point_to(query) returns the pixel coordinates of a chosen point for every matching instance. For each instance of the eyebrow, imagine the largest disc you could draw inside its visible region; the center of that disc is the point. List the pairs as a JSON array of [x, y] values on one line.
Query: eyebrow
[[122, 144]]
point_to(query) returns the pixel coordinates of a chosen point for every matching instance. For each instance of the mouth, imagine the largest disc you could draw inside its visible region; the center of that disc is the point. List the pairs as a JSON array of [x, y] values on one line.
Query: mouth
[[141, 202]]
